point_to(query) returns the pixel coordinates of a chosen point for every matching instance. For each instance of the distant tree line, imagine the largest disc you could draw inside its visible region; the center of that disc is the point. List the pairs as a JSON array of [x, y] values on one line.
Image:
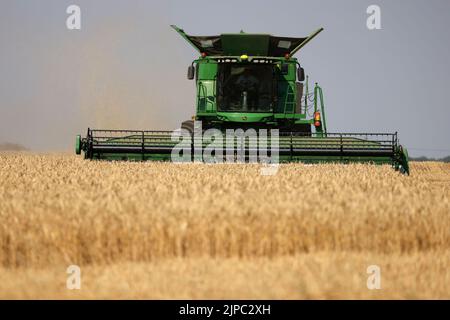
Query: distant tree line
[[445, 159]]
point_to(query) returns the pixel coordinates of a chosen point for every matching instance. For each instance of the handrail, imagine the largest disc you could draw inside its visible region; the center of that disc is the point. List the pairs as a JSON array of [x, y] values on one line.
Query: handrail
[[306, 94], [204, 94], [319, 94]]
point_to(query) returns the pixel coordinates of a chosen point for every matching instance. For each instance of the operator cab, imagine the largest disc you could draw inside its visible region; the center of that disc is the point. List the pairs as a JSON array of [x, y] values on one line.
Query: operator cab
[[245, 87]]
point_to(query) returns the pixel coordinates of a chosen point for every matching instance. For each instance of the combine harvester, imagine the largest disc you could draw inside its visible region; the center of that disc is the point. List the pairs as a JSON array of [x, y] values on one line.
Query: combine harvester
[[245, 82]]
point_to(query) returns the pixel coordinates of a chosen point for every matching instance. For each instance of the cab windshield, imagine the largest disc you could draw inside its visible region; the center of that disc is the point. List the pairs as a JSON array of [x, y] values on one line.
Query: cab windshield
[[245, 88]]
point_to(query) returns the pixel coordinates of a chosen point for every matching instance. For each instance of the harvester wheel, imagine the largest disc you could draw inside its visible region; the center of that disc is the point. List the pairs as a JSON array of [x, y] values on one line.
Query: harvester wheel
[[188, 125], [302, 128]]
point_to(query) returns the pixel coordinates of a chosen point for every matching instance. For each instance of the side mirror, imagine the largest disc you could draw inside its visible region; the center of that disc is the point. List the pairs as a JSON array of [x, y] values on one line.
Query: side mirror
[[191, 72], [300, 74]]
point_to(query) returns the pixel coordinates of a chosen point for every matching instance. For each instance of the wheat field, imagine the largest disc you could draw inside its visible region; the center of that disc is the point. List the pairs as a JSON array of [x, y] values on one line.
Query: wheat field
[[197, 231]]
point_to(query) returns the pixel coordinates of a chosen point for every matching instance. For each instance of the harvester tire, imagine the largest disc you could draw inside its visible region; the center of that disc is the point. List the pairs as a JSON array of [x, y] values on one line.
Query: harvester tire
[[188, 125], [303, 128]]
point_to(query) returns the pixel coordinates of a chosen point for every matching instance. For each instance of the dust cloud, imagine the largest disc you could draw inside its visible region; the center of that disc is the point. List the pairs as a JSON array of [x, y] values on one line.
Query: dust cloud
[[125, 69], [132, 78]]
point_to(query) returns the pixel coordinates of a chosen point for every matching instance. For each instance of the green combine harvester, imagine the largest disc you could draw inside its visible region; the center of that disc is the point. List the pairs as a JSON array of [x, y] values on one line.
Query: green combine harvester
[[250, 83]]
